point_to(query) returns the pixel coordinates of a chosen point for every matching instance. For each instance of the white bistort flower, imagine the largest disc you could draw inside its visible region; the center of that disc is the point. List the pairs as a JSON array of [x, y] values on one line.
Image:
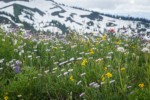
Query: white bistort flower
[[80, 58], [72, 59], [83, 74], [70, 70], [148, 45], [1, 68], [79, 82], [112, 81], [19, 96], [121, 49], [66, 73], [46, 71], [2, 60], [145, 50]]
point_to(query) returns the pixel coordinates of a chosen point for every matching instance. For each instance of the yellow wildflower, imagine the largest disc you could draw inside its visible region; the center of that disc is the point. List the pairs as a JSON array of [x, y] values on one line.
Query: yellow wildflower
[[71, 78], [5, 97], [105, 68], [102, 78], [104, 37], [117, 43], [109, 75], [91, 51], [84, 62], [122, 69], [141, 85]]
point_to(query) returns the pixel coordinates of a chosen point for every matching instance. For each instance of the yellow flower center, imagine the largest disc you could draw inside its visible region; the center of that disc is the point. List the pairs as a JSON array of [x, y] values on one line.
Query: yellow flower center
[[84, 62], [108, 75], [71, 78], [91, 51], [5, 97], [141, 85]]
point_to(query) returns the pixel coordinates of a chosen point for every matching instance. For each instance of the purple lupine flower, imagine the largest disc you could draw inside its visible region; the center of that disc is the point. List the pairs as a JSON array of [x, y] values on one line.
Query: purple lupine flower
[[134, 36], [17, 66], [17, 69], [30, 33]]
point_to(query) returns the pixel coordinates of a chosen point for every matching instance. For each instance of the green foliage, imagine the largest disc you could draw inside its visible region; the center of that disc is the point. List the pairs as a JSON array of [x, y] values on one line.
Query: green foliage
[[108, 68]]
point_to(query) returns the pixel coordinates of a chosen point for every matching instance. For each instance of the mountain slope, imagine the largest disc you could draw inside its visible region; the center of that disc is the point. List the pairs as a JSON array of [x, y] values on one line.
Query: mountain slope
[[47, 15]]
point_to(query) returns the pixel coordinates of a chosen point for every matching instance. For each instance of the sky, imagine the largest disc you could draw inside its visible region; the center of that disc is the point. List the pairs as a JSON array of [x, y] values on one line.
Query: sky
[[135, 8]]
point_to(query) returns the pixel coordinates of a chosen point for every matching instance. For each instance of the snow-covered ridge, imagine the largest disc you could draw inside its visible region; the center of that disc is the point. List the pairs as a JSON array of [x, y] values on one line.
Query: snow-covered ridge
[[47, 15]]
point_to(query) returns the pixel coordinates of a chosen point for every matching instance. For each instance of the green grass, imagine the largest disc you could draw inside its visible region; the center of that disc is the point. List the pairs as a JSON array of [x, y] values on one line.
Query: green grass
[[115, 74]]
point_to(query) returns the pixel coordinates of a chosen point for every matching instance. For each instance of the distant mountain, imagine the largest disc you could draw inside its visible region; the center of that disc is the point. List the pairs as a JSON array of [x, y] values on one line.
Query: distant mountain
[[48, 15], [13, 0]]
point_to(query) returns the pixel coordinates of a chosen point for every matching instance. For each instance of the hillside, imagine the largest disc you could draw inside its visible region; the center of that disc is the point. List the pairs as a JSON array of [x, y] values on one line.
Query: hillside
[[57, 17]]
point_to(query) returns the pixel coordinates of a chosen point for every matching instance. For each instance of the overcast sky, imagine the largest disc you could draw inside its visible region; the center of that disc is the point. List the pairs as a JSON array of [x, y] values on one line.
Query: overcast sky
[[135, 8]]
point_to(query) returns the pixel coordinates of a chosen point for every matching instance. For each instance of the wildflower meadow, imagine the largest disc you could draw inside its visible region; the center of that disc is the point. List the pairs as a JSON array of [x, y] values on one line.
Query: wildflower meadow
[[74, 67]]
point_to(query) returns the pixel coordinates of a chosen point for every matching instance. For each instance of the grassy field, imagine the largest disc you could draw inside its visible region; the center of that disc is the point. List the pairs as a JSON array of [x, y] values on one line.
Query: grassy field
[[91, 68]]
